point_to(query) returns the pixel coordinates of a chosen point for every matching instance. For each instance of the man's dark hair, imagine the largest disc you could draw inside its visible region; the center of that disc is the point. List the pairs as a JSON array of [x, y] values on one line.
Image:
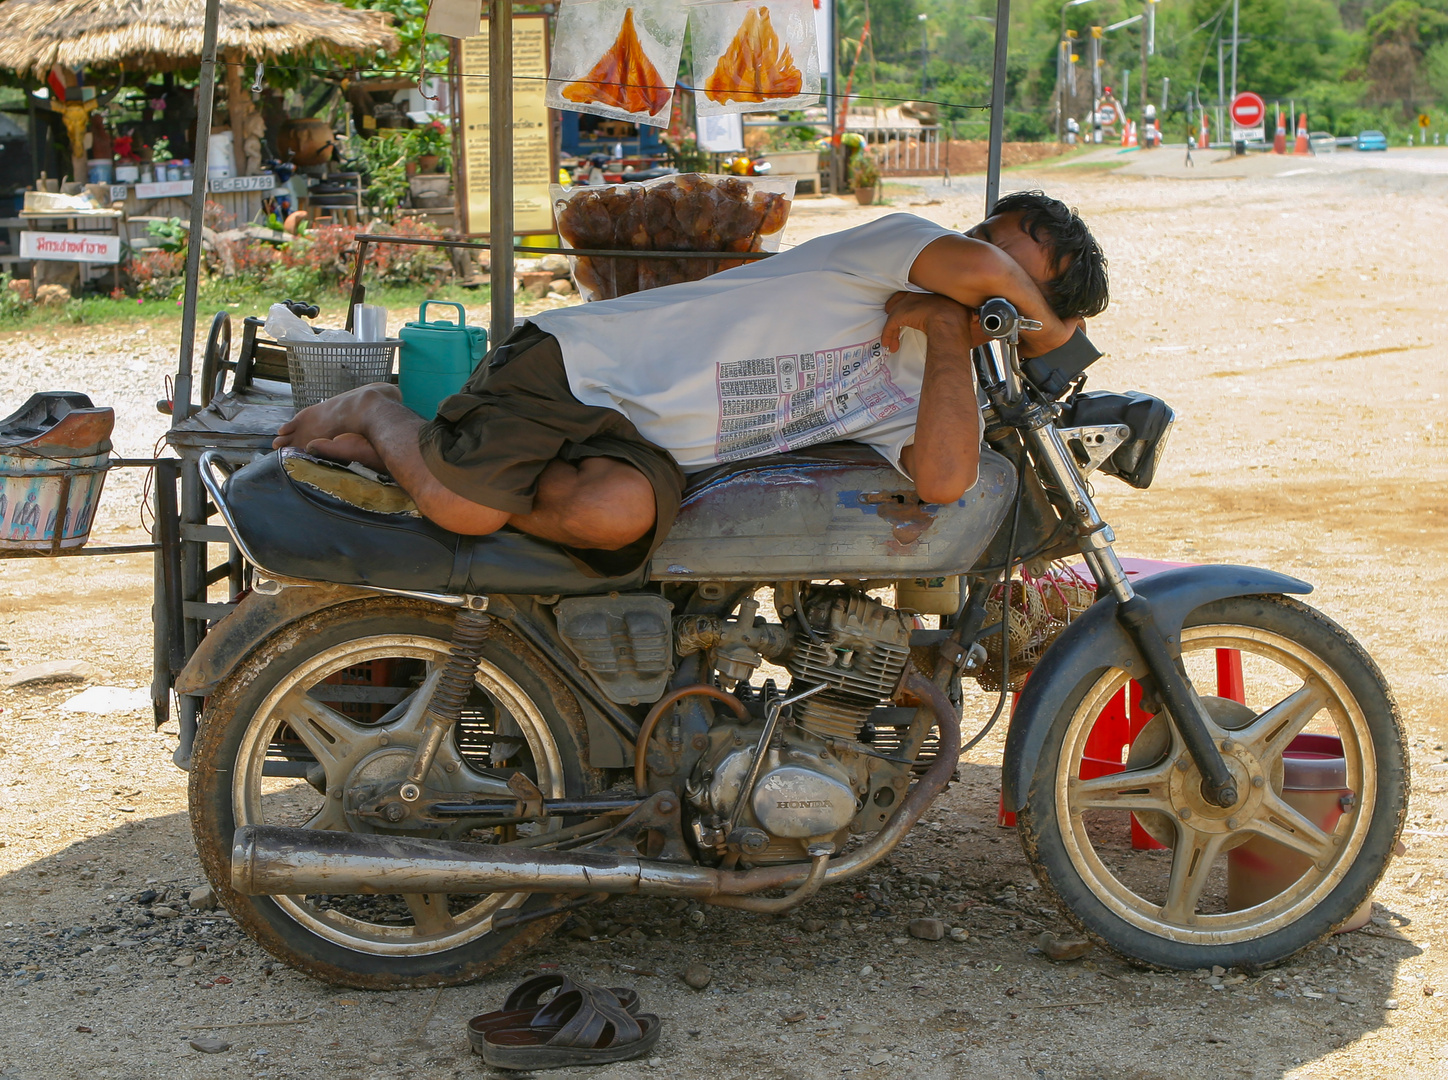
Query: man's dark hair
[[1079, 288]]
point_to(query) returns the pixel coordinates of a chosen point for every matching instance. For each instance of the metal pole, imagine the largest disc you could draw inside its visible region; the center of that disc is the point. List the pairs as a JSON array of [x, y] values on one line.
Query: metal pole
[[1145, 33], [500, 166], [997, 105], [206, 93], [838, 180], [1221, 86], [1060, 76], [924, 53], [1236, 13]]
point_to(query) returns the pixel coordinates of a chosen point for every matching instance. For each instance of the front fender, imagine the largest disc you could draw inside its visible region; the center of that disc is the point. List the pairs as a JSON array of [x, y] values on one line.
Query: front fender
[[1095, 640], [255, 618]]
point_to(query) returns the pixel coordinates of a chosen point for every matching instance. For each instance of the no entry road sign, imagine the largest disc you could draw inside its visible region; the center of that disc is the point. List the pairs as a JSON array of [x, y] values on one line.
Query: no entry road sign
[[1248, 112]]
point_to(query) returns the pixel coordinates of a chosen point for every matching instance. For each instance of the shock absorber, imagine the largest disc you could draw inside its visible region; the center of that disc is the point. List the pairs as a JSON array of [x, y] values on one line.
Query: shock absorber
[[470, 634]]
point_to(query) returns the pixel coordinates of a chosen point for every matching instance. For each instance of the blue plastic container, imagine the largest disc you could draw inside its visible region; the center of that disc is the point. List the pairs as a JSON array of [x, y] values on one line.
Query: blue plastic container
[[436, 358]]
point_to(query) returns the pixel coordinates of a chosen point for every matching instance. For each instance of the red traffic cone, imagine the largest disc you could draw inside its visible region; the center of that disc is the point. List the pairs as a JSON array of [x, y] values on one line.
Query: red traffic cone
[[1205, 138], [1301, 148], [1279, 141], [1131, 133]]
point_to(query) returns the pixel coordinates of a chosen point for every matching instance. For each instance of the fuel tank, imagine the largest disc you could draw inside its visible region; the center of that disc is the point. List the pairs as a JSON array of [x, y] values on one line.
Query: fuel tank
[[838, 510]]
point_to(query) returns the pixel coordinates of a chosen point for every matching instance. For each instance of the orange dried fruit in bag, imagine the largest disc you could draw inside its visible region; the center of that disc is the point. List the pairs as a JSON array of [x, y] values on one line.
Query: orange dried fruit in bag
[[754, 68], [624, 78]]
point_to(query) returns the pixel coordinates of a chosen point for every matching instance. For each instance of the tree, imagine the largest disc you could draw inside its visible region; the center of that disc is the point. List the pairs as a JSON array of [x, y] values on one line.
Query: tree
[[1400, 37]]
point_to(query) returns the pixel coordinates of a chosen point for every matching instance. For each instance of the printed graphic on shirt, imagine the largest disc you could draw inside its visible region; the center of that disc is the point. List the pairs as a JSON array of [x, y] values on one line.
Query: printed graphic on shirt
[[778, 403]]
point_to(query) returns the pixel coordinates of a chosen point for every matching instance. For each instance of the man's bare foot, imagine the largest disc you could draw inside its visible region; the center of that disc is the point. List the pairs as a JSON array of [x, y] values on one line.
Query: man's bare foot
[[345, 414]]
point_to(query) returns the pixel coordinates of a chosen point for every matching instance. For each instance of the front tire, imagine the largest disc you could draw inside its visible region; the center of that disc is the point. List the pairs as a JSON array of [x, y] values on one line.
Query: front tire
[[331, 702], [1302, 674]]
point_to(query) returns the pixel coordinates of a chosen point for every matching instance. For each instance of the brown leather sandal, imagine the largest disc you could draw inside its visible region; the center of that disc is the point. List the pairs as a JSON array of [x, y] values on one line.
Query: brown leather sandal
[[582, 1025], [522, 1005]]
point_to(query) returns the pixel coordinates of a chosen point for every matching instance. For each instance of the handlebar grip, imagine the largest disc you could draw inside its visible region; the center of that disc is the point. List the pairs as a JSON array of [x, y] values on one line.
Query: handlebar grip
[[998, 317], [302, 310]]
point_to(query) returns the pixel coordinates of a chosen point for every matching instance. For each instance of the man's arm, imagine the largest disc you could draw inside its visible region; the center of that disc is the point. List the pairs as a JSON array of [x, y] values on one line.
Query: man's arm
[[945, 457], [972, 271]]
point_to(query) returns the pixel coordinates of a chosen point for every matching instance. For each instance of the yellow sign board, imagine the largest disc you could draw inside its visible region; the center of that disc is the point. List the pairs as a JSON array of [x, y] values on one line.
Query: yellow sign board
[[1423, 120], [533, 158]]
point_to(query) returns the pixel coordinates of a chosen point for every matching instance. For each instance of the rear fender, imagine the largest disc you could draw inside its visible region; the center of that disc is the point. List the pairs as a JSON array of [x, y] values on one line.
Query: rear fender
[[1095, 641], [255, 618]]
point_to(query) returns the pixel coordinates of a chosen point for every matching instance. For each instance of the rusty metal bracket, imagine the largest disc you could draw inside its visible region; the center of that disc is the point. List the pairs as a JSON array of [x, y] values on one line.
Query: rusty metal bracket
[[530, 798], [654, 831]]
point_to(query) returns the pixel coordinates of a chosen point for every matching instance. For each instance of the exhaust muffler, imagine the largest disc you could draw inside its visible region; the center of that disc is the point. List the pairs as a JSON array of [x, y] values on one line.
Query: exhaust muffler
[[270, 859]]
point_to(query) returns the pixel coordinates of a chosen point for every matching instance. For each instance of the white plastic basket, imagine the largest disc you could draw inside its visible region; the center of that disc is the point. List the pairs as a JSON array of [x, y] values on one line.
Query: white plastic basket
[[323, 369]]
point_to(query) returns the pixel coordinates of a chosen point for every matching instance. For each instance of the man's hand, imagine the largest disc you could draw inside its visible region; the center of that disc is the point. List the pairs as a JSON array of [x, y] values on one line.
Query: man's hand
[[930, 313], [339, 428]]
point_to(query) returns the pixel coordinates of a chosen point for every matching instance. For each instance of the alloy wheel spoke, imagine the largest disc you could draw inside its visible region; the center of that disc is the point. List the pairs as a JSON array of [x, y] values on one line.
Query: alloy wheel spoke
[[331, 737], [330, 817], [1267, 736], [1191, 864], [413, 709], [1139, 789], [429, 913], [1277, 820]]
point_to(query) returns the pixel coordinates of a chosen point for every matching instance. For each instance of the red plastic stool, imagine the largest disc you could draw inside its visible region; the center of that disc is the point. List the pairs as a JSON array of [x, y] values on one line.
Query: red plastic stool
[[1121, 721]]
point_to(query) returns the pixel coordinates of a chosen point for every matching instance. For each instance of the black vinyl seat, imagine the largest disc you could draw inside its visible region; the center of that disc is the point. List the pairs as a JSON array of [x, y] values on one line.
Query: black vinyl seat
[[298, 530]]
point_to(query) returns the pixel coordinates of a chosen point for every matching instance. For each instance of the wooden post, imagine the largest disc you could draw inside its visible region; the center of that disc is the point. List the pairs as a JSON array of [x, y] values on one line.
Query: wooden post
[[238, 104]]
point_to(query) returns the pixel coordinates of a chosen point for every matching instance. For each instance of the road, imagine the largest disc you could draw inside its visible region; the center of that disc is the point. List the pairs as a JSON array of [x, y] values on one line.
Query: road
[[1295, 322]]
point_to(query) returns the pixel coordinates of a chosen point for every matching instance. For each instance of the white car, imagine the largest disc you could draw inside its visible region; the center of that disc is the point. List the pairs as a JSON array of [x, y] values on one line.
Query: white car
[[1322, 142]]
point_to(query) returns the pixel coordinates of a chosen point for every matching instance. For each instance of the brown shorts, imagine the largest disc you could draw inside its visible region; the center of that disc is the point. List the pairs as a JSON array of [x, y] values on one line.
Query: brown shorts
[[515, 414]]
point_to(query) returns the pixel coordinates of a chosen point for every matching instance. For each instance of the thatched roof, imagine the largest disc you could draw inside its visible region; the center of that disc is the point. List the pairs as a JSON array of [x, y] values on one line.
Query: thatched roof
[[160, 35]]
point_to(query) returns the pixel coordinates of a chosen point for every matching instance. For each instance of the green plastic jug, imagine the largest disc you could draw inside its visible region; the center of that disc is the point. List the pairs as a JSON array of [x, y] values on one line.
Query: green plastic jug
[[436, 358]]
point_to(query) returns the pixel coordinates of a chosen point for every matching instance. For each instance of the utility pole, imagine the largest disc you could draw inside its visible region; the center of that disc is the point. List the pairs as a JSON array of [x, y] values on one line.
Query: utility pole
[[924, 52], [1096, 84], [1236, 13], [1148, 32], [1061, 47], [1067, 42], [837, 156]]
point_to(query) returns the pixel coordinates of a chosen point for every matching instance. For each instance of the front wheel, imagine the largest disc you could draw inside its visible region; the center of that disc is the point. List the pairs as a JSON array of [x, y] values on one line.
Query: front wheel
[[1293, 688], [333, 705]]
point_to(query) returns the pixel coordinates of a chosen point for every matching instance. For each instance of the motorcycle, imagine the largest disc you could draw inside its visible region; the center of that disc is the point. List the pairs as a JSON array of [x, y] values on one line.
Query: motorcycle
[[420, 751]]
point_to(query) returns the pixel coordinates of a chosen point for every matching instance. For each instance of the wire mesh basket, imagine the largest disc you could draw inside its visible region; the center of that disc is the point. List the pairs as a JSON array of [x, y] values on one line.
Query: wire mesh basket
[[323, 369]]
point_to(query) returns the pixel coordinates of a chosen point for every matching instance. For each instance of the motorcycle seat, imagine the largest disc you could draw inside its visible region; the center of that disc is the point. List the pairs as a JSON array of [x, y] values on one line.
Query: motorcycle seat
[[304, 518]]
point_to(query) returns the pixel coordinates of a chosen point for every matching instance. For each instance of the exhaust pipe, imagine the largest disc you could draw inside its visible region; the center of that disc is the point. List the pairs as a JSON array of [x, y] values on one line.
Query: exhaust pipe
[[269, 859], [272, 860]]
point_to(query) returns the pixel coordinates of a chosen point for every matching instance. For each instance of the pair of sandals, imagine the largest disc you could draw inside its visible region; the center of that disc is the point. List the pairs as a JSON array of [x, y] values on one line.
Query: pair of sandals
[[581, 1024]]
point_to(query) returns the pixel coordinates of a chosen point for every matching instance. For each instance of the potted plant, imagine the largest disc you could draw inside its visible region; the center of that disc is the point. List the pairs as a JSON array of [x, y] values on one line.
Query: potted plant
[[430, 143], [866, 180]]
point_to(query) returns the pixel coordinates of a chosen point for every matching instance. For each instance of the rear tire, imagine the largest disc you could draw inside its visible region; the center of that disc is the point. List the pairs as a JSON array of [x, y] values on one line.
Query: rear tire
[[272, 715], [1171, 909]]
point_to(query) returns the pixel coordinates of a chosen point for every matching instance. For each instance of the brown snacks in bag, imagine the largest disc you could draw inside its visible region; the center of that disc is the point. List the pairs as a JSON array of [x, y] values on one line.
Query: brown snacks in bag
[[688, 212]]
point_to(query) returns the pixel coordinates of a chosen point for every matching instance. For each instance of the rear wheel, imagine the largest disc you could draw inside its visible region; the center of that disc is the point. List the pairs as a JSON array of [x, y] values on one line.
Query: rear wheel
[[336, 701], [1194, 903]]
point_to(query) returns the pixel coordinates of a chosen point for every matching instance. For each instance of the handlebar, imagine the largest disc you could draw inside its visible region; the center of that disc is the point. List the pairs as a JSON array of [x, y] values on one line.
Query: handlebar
[[1000, 320]]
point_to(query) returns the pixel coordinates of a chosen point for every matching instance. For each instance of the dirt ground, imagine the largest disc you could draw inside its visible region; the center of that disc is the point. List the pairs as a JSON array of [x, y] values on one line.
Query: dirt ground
[[1295, 323]]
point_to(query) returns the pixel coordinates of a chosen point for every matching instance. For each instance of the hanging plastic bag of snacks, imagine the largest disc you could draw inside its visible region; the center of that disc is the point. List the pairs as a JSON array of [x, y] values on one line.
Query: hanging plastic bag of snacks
[[687, 212], [754, 55], [617, 58]]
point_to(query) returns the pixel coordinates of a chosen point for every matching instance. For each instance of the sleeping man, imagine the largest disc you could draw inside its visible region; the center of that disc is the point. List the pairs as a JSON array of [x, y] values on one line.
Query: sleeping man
[[580, 428]]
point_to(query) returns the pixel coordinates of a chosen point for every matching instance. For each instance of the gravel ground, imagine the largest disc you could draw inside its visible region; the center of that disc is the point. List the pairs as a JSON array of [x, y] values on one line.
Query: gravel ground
[[1292, 320]]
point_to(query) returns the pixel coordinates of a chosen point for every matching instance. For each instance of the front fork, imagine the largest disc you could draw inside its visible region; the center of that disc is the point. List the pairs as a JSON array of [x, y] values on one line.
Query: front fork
[[997, 367]]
